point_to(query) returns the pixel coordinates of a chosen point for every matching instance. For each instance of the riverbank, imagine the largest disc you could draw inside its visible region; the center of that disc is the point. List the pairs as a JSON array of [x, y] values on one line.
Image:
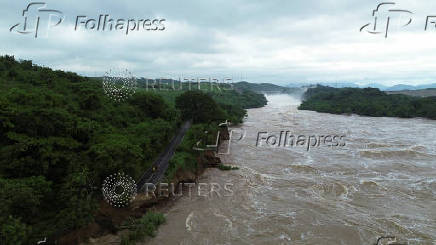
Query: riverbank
[[367, 102], [381, 183], [106, 228]]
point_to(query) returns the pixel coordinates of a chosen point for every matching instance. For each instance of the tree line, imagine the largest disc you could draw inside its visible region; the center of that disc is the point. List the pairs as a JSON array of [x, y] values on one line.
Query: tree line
[[367, 102], [60, 136]]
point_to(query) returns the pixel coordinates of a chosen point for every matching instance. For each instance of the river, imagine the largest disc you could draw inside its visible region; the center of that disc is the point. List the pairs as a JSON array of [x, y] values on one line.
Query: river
[[381, 182]]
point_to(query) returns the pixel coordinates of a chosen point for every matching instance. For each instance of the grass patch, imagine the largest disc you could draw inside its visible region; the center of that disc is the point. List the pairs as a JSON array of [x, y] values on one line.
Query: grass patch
[[141, 228]]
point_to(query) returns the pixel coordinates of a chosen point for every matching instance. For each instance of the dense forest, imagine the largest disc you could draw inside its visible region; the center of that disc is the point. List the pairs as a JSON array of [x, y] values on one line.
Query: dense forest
[[266, 88], [367, 102], [60, 136]]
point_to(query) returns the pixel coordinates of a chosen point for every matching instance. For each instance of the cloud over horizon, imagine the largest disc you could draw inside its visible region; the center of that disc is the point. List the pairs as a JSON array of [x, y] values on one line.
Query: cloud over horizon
[[275, 41]]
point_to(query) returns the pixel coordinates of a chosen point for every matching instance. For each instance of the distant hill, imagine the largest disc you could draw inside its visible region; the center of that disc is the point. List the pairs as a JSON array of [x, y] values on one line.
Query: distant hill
[[376, 85], [266, 88], [425, 86], [398, 87], [330, 84], [367, 102], [419, 92]]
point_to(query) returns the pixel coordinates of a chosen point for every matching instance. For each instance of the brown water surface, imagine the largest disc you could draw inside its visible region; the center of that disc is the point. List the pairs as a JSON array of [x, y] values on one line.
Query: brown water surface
[[382, 182]]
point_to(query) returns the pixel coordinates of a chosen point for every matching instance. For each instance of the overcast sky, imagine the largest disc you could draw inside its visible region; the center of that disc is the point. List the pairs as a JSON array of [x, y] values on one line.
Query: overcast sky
[[260, 41]]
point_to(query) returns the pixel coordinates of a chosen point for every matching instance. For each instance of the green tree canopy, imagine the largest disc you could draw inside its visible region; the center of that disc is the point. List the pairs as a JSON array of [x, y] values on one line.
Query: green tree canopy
[[199, 106]]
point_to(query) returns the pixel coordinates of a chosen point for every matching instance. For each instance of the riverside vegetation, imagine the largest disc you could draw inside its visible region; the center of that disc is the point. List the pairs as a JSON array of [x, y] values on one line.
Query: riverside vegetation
[[367, 102], [60, 137]]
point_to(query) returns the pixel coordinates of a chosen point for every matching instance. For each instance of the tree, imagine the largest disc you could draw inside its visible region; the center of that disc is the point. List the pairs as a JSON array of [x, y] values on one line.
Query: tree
[[199, 106], [151, 105]]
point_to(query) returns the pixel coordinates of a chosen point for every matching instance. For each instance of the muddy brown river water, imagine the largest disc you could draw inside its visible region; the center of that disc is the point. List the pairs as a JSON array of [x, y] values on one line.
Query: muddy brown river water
[[382, 182]]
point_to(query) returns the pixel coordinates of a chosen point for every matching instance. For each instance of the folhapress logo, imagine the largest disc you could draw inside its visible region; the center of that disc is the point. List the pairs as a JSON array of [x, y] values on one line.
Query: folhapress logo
[[104, 22], [37, 15]]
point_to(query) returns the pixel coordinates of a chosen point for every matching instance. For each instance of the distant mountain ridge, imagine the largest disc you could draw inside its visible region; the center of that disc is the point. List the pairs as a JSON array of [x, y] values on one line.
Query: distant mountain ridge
[[260, 87], [382, 87], [268, 88], [428, 92]]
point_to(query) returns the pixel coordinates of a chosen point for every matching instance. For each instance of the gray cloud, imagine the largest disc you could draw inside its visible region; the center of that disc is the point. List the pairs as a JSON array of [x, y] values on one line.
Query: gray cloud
[[263, 41]]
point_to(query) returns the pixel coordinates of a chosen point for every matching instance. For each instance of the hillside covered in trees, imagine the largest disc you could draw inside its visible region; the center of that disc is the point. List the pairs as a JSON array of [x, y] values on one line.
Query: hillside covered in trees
[[367, 102], [266, 88], [60, 136]]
